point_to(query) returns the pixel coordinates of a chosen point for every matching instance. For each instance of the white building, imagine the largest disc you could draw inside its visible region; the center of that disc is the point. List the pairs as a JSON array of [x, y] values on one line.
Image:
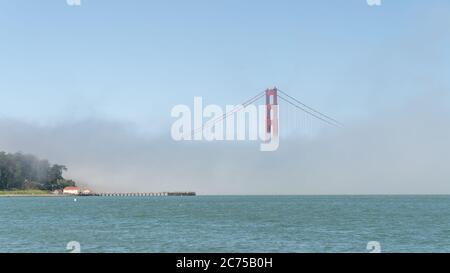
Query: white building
[[71, 190]]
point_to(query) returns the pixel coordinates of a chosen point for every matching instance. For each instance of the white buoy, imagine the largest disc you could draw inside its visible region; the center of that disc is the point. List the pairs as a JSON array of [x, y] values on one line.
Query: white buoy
[[74, 200]]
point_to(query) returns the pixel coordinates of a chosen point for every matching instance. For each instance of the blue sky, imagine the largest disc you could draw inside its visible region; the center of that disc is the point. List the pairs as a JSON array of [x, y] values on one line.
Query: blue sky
[[133, 60]]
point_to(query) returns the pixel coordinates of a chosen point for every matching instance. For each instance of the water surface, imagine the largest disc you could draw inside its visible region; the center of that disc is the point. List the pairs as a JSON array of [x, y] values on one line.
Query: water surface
[[226, 223]]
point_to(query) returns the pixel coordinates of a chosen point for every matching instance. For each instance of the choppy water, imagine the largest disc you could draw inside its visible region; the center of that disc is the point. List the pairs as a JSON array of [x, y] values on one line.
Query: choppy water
[[226, 223]]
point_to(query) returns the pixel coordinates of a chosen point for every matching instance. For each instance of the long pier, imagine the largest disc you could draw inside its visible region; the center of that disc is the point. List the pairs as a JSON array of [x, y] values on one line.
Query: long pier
[[138, 194]]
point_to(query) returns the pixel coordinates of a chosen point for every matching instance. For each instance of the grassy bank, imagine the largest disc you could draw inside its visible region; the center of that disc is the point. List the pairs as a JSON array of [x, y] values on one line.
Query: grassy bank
[[23, 192]]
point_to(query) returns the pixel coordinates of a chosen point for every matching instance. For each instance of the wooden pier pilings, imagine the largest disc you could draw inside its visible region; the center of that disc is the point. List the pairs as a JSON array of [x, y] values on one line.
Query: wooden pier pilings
[[138, 194]]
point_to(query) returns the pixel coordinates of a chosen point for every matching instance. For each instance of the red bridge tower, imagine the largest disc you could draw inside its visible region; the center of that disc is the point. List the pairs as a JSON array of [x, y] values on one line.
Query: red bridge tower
[[271, 113]]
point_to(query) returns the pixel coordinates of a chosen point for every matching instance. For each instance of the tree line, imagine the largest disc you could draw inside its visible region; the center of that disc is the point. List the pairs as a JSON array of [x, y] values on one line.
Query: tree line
[[24, 171]]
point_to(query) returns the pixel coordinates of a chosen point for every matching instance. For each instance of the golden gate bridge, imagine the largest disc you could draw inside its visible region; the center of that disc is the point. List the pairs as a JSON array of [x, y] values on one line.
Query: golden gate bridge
[[296, 112]]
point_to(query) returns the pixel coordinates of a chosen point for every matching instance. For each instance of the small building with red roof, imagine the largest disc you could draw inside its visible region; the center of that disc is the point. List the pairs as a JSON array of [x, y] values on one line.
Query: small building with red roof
[[71, 190]]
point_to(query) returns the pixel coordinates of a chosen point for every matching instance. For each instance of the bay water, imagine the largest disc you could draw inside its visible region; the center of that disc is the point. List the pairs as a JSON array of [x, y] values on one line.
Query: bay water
[[225, 224]]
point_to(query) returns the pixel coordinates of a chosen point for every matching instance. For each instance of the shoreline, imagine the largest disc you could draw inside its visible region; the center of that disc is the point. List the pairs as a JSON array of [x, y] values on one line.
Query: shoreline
[[137, 194], [35, 195]]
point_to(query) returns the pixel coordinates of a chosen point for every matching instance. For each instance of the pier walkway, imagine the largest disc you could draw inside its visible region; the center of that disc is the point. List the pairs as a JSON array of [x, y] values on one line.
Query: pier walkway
[[137, 194]]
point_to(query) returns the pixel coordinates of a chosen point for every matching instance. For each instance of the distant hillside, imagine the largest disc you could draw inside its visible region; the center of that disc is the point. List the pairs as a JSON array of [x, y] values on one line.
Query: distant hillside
[[23, 171]]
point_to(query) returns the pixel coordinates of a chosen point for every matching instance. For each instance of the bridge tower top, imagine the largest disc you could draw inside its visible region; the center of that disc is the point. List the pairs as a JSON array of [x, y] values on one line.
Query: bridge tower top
[[272, 111]]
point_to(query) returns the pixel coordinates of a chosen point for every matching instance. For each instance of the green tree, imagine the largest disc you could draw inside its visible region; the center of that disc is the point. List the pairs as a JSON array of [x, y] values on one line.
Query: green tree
[[24, 171]]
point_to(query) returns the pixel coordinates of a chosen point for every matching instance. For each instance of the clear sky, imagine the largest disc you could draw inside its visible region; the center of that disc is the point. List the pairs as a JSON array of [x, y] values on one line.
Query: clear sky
[[93, 69], [133, 60]]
